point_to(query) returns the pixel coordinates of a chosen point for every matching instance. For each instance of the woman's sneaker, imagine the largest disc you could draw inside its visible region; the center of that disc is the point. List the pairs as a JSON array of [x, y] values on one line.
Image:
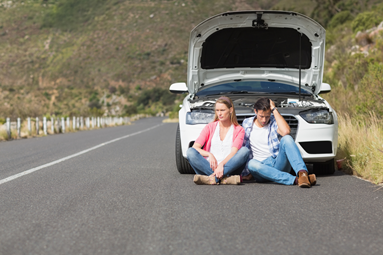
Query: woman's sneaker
[[204, 180], [234, 180]]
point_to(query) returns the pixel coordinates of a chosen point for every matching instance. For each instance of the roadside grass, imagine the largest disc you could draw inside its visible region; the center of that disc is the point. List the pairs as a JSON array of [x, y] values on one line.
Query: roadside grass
[[355, 71], [3, 135], [361, 146], [170, 120]]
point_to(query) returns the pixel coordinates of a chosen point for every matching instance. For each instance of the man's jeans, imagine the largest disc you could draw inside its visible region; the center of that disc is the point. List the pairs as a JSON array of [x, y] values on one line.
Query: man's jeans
[[278, 169], [233, 167]]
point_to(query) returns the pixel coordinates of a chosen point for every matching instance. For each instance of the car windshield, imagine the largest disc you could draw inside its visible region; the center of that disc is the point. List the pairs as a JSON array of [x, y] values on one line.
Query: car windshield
[[244, 87]]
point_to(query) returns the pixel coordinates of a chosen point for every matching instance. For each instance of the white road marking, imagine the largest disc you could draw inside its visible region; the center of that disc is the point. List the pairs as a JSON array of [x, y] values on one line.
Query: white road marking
[[13, 177]]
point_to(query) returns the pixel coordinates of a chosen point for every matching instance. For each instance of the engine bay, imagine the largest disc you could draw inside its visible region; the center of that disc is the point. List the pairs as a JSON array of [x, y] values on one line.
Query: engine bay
[[246, 102]]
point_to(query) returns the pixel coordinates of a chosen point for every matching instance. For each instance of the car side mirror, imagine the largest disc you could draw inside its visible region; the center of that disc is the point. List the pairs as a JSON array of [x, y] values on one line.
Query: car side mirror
[[325, 88], [178, 88]]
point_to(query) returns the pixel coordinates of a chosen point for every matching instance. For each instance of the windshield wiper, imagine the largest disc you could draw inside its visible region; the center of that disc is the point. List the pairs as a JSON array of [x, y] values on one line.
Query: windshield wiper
[[229, 92], [244, 92], [290, 93], [236, 92]]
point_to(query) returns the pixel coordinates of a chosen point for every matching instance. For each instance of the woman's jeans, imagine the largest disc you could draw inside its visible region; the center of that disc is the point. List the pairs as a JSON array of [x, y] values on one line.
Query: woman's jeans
[[233, 167], [278, 169]]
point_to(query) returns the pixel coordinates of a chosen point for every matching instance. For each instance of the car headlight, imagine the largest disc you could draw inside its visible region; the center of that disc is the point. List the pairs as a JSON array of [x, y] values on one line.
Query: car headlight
[[317, 116], [193, 118]]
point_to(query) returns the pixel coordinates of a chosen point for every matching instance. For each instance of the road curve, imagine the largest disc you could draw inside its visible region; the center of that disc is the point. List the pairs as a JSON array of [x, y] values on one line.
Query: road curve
[[126, 197]]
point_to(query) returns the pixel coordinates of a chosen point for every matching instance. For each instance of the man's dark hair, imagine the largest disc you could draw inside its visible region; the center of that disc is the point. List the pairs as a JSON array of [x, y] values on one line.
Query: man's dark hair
[[262, 104]]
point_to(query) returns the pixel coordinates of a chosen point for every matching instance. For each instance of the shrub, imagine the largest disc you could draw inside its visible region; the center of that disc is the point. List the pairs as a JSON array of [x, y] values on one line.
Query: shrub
[[130, 110], [364, 21], [123, 90], [94, 102], [173, 115], [112, 89], [68, 14], [154, 95], [370, 92], [340, 18], [96, 112], [46, 95]]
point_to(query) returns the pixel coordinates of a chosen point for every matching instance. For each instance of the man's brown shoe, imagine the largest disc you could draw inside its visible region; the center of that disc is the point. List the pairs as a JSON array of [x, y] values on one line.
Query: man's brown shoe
[[313, 179], [303, 179], [248, 177], [234, 179]]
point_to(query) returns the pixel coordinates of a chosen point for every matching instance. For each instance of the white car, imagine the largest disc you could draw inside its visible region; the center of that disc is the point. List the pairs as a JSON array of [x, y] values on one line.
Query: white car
[[252, 54]]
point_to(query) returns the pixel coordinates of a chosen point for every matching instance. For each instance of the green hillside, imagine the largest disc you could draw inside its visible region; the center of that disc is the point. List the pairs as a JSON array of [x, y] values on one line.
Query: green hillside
[[114, 57]]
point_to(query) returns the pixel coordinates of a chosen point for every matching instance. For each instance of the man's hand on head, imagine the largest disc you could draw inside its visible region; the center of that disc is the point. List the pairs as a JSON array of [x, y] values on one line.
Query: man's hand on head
[[272, 104]]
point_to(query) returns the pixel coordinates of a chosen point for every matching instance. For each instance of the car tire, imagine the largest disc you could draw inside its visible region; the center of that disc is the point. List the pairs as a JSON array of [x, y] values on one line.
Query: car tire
[[183, 165], [324, 168]]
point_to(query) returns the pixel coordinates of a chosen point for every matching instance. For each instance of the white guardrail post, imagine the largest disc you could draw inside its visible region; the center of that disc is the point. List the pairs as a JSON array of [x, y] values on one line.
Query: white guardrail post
[[74, 123], [8, 125], [45, 125], [18, 127], [29, 125], [62, 125], [68, 122], [52, 125], [37, 126]]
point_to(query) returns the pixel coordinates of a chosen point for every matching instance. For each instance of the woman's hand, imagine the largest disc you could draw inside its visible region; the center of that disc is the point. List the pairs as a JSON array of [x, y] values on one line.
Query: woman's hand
[[219, 171], [213, 162]]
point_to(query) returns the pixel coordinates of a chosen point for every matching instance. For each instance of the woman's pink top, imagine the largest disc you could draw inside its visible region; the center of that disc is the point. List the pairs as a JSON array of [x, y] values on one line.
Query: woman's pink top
[[208, 132]]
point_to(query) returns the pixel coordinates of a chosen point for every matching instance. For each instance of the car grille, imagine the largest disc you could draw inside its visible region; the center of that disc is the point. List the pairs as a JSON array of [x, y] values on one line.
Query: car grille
[[291, 120], [293, 123]]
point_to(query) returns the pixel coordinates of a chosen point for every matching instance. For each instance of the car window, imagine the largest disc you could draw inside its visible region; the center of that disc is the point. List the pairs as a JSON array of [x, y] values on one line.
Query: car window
[[266, 87]]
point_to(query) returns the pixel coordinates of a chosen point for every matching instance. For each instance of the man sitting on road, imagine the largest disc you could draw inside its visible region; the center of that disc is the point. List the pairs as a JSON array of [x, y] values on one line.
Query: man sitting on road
[[271, 159]]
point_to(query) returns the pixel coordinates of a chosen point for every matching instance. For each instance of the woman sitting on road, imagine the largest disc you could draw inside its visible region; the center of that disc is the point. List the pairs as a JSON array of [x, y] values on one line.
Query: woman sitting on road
[[223, 157]]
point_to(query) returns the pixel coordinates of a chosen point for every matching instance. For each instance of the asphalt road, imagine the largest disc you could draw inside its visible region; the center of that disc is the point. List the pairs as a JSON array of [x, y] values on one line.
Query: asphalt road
[[126, 197]]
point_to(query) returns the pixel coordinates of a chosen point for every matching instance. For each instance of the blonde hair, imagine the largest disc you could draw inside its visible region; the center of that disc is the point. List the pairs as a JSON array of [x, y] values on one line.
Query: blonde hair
[[229, 104]]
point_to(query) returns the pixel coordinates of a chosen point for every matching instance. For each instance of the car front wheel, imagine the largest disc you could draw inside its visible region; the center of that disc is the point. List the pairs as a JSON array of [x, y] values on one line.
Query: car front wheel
[[183, 165]]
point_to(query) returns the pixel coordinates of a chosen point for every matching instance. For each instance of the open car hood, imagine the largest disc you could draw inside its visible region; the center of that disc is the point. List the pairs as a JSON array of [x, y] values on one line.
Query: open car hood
[[256, 45]]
